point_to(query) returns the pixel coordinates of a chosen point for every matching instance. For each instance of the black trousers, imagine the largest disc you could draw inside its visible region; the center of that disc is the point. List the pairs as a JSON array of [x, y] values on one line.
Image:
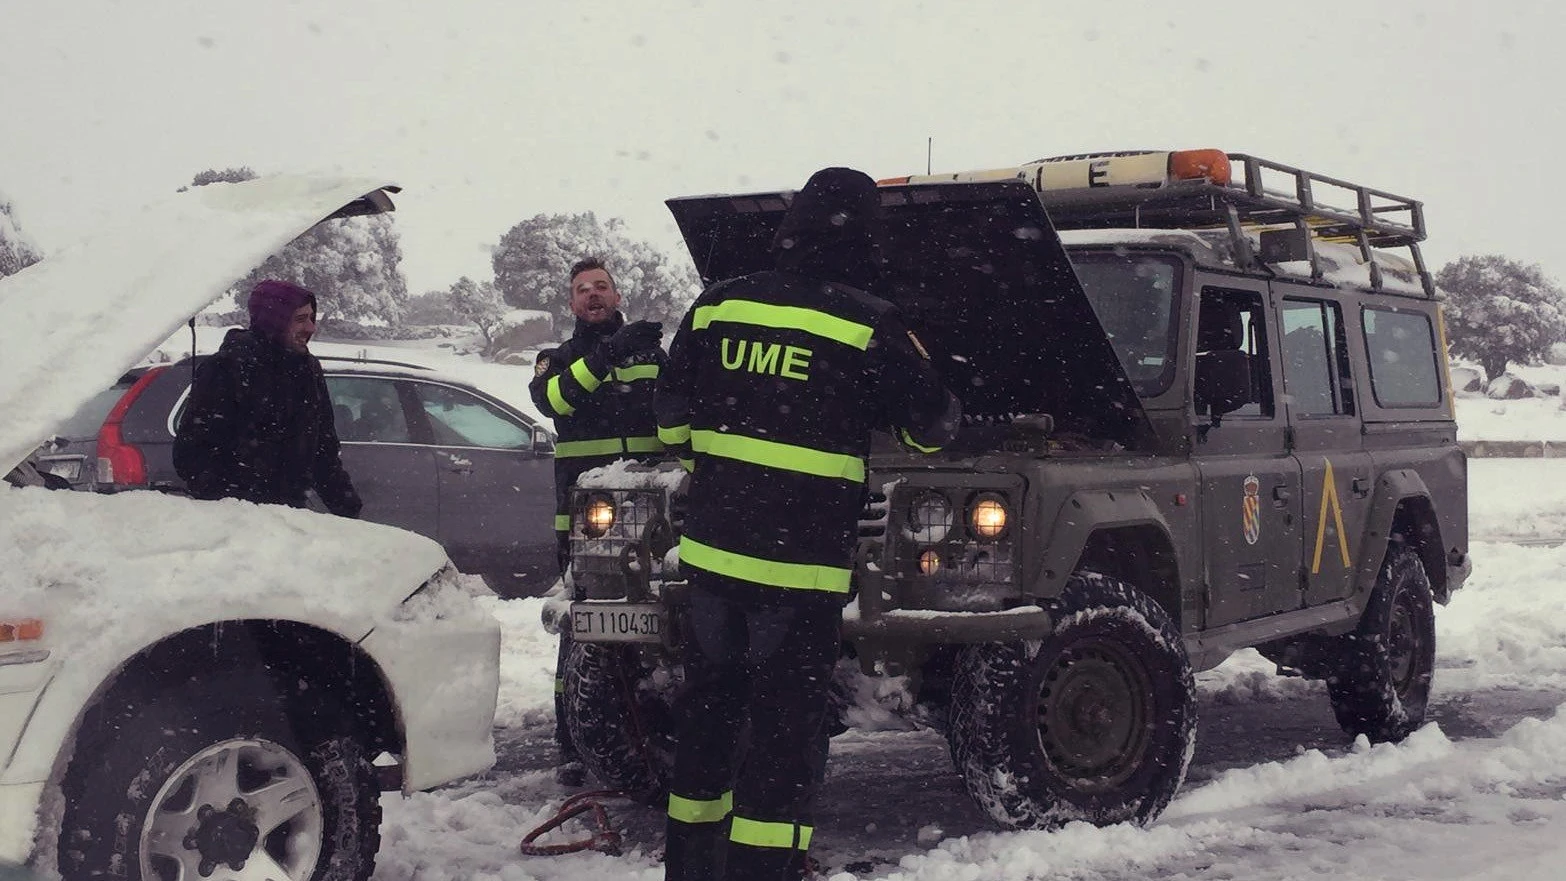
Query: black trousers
[[752, 728]]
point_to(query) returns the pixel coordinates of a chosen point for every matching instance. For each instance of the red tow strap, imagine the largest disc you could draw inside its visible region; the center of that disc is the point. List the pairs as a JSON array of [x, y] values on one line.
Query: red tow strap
[[604, 837]]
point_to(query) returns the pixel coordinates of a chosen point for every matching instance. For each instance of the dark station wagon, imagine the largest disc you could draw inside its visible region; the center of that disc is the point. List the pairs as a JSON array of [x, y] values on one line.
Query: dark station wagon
[[427, 451]]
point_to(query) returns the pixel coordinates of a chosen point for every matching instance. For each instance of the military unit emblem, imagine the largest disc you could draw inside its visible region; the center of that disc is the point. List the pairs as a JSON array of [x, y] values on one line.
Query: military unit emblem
[[1251, 510]]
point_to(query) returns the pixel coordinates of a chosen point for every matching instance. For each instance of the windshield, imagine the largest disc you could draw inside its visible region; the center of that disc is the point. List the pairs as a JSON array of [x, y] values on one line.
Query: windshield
[[1133, 295]]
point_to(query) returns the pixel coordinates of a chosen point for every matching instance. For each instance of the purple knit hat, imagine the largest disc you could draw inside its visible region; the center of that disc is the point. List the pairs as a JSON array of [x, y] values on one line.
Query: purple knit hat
[[272, 305]]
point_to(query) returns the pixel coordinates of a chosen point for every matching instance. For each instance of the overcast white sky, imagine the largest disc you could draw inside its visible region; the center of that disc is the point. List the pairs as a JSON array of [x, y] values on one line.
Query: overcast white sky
[[491, 111]]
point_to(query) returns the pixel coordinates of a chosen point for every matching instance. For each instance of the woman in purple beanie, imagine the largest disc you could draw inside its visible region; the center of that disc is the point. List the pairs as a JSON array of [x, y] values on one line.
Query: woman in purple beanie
[[258, 425]]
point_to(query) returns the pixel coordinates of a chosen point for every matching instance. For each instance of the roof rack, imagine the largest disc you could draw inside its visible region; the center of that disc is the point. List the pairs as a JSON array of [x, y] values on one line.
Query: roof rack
[[1291, 209]]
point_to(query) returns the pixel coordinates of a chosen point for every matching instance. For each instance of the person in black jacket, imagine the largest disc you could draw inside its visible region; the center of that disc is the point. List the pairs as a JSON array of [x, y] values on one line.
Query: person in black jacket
[[598, 388], [259, 423], [774, 385]]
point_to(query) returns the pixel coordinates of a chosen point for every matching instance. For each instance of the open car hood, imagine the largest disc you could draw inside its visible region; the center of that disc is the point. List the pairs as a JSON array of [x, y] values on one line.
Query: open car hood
[[980, 274], [74, 322]]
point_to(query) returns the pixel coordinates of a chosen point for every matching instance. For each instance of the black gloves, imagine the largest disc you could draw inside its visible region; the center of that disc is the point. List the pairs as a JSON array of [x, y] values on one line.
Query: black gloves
[[634, 338]]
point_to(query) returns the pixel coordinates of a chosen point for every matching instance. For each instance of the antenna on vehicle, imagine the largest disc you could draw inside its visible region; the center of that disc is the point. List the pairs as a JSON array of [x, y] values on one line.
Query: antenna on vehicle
[[192, 323], [929, 150]]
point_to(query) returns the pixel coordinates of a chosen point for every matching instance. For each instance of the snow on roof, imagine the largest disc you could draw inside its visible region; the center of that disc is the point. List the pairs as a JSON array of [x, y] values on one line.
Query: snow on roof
[[1342, 264]]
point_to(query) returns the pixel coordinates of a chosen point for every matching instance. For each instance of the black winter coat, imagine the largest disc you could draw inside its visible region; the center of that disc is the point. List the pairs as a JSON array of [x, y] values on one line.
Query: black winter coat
[[602, 411], [774, 385], [258, 426]]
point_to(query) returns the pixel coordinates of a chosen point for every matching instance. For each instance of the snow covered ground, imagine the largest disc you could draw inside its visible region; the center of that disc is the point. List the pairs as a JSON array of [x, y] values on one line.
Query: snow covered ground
[[1275, 792]]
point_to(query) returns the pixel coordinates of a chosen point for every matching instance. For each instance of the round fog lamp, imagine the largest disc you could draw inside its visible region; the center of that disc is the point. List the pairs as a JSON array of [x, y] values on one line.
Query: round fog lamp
[[988, 517], [598, 515], [929, 562], [930, 517]]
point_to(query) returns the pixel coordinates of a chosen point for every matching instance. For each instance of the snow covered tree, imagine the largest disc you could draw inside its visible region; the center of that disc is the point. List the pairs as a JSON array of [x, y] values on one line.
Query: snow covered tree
[[16, 252], [479, 304], [352, 264], [534, 256], [1500, 310]]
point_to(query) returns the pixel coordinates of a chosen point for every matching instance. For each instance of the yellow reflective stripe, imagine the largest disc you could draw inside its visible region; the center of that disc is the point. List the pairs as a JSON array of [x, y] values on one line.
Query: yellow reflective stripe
[[604, 447], [643, 445], [635, 372], [562, 522], [811, 321], [700, 810], [559, 686], [674, 434], [908, 439], [774, 573], [773, 454], [584, 375], [556, 399], [760, 833], [688, 464]]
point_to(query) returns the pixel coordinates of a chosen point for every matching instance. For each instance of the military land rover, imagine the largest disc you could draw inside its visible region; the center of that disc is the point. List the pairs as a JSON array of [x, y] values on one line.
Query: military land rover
[[1206, 408]]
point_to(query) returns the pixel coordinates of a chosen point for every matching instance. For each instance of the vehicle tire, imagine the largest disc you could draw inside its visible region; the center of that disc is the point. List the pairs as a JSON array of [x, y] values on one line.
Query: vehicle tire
[[514, 586], [620, 715], [1381, 684], [1096, 722], [216, 770]]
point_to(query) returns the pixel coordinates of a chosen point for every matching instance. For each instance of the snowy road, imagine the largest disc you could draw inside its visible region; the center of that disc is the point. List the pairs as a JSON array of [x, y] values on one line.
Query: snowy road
[[1275, 792]]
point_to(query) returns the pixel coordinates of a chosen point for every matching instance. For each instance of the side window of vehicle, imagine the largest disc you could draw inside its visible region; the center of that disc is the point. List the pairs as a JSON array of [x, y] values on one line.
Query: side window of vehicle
[[368, 410], [461, 419], [1315, 359], [1402, 351], [1234, 321]]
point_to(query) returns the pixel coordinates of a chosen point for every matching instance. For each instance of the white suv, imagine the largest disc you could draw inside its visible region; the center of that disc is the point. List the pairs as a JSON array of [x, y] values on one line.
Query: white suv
[[190, 688]]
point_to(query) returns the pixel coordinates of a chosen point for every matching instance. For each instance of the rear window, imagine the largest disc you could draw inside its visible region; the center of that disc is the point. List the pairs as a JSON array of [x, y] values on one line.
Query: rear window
[[88, 418], [1402, 349]]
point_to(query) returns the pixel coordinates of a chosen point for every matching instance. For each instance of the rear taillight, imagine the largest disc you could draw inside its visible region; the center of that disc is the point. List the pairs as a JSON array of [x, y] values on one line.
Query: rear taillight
[[120, 463]]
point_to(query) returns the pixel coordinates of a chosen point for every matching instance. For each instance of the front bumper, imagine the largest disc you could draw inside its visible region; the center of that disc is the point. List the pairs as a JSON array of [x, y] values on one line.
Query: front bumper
[[444, 678], [919, 626]]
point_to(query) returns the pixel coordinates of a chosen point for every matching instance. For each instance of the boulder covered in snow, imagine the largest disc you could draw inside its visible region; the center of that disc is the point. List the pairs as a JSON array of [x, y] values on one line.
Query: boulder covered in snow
[[1548, 389], [1467, 379], [1507, 387], [521, 329], [1555, 354]]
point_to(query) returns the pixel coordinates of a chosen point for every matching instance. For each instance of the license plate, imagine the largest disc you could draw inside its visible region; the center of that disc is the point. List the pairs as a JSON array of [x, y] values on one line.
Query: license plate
[[617, 622], [66, 468]]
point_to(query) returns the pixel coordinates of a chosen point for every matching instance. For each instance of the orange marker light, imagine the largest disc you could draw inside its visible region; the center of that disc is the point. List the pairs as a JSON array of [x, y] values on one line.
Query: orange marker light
[[892, 181], [1197, 164], [24, 630]]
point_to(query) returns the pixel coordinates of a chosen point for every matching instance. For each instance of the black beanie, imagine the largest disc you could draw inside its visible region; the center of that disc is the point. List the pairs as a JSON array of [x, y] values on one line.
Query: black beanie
[[831, 227]]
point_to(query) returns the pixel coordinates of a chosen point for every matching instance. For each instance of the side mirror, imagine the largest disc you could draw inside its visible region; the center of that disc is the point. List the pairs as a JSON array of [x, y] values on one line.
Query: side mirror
[[543, 441], [1223, 381]]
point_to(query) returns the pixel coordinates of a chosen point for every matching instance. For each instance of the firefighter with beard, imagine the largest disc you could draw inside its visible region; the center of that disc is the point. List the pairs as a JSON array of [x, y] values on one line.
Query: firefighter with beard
[[598, 388], [774, 385]]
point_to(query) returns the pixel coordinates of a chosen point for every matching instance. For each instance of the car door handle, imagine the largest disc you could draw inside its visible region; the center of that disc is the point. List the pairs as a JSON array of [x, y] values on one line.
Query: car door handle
[[1281, 496]]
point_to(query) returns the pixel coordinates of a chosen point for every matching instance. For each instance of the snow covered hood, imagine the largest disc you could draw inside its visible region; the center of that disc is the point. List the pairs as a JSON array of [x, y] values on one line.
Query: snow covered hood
[[72, 323]]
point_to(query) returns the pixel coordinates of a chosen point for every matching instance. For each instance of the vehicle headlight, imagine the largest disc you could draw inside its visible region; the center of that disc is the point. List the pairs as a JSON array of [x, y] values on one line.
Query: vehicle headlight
[[597, 515], [988, 517], [930, 517]]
